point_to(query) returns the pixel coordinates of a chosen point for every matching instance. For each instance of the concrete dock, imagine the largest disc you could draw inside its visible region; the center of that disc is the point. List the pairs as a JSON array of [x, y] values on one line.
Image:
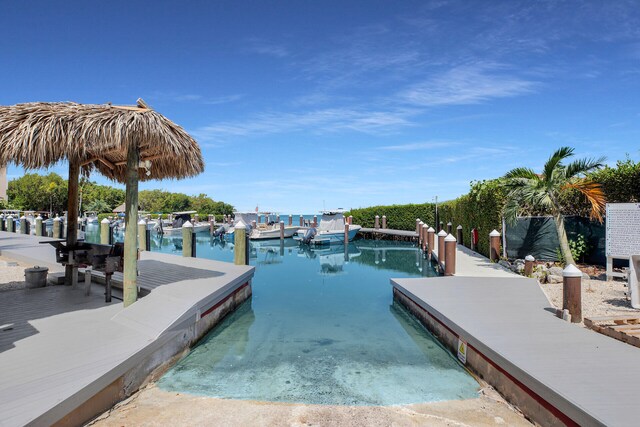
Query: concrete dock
[[65, 357], [555, 372]]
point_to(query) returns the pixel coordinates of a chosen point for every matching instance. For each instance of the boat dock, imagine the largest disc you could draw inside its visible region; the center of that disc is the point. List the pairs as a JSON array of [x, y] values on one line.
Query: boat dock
[[503, 328], [66, 356], [388, 234]]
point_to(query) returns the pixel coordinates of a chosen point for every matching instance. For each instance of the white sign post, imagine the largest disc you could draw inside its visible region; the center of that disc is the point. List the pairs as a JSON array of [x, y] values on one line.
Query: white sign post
[[623, 233]]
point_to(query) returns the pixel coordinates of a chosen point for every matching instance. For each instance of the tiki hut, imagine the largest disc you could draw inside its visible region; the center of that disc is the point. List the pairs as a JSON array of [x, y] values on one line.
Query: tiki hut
[[124, 143]]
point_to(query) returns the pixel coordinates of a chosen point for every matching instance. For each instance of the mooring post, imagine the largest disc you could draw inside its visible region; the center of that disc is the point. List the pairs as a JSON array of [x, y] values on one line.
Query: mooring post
[[315, 221], [421, 236], [450, 244], [528, 265], [301, 221], [253, 224], [187, 238], [350, 219], [417, 225], [11, 225], [431, 233], [290, 219], [240, 244], [384, 222], [449, 228], [572, 292], [376, 223], [425, 233], [441, 253], [104, 231], [494, 246], [2, 223], [38, 225], [142, 235], [23, 224], [56, 227], [281, 230], [459, 235], [441, 226], [346, 237], [196, 218]]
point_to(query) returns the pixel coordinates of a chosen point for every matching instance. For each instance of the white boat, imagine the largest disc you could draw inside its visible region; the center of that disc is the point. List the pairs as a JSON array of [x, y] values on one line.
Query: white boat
[[272, 231], [246, 217], [91, 217], [330, 230], [175, 229]]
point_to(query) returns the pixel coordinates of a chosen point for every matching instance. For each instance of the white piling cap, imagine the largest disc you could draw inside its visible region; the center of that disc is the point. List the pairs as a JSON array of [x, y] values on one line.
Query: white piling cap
[[142, 222], [494, 233], [39, 216], [187, 224], [450, 238], [529, 258], [442, 233], [425, 226], [282, 222], [104, 221], [431, 230], [384, 216], [23, 217], [377, 216], [57, 219], [241, 224], [417, 219], [571, 271], [10, 216], [449, 223], [459, 227]]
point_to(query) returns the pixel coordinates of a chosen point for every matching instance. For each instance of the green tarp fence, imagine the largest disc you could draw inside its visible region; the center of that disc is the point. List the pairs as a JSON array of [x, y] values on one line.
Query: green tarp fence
[[536, 235]]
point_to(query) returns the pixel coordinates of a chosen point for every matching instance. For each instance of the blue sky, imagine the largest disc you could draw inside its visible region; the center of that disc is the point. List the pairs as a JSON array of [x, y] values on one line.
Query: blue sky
[[303, 104]]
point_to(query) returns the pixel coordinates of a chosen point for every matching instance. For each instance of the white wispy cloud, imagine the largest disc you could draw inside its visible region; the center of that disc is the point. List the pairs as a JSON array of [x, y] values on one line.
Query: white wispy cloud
[[174, 97], [418, 146], [467, 84], [265, 47]]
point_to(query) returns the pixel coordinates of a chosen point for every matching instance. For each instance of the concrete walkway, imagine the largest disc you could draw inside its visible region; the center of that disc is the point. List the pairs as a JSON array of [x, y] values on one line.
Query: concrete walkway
[[515, 342], [59, 349]]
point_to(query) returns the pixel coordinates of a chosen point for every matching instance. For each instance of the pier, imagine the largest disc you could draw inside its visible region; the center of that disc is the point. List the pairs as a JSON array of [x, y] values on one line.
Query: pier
[[98, 353]]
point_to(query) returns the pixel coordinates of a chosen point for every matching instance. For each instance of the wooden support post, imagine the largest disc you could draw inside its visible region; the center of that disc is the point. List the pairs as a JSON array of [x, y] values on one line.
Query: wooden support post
[[240, 244], [56, 227], [254, 224], [301, 220], [441, 226], [350, 219], [23, 225], [494, 246], [431, 233], [417, 225], [384, 222], [105, 229], [450, 244], [290, 219], [459, 238], [187, 239], [142, 235], [449, 228], [130, 274], [376, 223], [346, 236], [38, 225], [572, 292], [528, 265], [441, 253], [71, 270], [315, 220], [281, 230], [425, 232]]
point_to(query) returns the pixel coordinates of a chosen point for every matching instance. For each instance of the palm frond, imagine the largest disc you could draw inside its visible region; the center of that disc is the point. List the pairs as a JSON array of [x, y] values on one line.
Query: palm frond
[[521, 173], [594, 194], [551, 166], [582, 166]]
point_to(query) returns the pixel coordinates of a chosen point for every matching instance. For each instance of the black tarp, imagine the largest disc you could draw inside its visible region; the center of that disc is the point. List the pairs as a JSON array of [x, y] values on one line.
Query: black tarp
[[536, 235]]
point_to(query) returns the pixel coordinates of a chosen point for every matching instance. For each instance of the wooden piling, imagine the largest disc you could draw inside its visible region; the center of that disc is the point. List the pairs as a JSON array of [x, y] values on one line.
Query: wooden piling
[[187, 239], [529, 260], [253, 224], [449, 228], [301, 220], [384, 222], [346, 237], [430, 240], [290, 219], [315, 221], [240, 244], [350, 219], [417, 225], [23, 225], [104, 231], [38, 225], [425, 232], [56, 227], [459, 233], [376, 223], [494, 246], [281, 230], [572, 292], [142, 235], [450, 244], [441, 253]]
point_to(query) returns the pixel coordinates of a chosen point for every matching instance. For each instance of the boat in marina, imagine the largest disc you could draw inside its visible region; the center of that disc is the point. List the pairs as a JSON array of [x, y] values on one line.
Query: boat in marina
[[90, 217], [330, 230], [179, 218], [272, 231], [246, 217]]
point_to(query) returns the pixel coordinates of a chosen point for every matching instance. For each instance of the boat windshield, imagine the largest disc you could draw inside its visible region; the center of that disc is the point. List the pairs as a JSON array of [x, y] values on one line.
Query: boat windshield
[[330, 222]]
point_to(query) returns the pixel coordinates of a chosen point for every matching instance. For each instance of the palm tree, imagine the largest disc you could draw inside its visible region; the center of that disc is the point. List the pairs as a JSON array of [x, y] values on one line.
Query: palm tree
[[528, 190]]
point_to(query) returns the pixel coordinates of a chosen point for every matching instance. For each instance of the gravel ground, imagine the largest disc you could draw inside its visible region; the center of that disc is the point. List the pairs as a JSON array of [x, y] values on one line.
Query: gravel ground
[[11, 274], [599, 297]]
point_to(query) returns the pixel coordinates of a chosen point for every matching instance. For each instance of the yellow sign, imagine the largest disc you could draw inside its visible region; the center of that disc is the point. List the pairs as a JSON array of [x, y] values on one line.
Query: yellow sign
[[462, 351]]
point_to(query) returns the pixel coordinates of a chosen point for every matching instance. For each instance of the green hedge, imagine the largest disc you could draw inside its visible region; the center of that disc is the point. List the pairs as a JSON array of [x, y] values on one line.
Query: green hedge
[[480, 209]]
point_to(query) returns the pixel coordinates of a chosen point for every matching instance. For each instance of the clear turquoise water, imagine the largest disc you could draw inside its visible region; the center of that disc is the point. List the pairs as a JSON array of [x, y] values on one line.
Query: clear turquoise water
[[320, 328]]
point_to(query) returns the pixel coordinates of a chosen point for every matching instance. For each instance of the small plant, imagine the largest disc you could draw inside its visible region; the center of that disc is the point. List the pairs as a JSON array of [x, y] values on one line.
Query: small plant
[[560, 257], [579, 247]]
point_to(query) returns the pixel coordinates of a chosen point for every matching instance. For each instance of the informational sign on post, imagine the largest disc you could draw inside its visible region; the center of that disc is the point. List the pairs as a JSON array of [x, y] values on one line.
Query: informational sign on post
[[462, 351], [623, 233]]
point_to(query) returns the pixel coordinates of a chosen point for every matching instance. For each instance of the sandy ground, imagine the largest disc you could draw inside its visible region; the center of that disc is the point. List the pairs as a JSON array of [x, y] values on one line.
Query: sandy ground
[[11, 274], [599, 297], [155, 407]]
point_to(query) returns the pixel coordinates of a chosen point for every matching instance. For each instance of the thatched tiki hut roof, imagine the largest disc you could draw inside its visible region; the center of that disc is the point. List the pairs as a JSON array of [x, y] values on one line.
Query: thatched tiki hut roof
[[124, 143], [40, 134]]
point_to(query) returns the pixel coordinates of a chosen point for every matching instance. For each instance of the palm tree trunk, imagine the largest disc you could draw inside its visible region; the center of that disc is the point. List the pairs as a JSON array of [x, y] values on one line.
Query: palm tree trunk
[[564, 241]]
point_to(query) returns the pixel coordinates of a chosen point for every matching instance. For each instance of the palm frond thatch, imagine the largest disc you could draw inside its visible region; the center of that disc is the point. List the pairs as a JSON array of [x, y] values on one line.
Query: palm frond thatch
[[40, 134]]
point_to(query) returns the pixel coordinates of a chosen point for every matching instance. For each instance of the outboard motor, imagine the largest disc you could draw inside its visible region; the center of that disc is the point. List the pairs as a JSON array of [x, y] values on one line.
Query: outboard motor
[[308, 235], [219, 232]]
